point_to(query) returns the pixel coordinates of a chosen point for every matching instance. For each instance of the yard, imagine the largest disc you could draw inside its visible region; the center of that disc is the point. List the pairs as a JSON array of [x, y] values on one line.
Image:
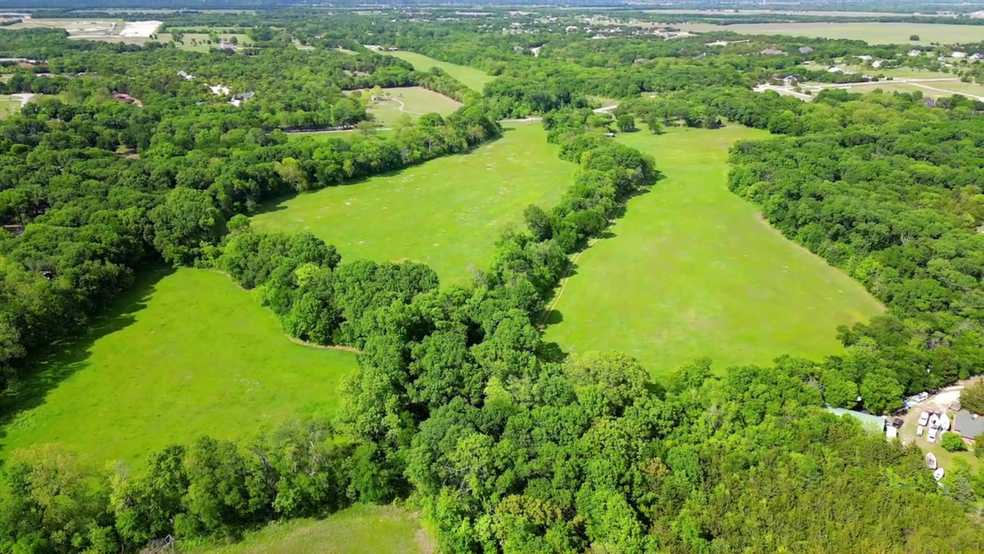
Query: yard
[[8, 104], [185, 353], [446, 213], [691, 270]]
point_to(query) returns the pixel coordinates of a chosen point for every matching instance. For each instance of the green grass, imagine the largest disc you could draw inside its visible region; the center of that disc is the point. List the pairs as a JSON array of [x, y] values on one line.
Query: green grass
[[8, 105], [185, 353], [356, 530], [469, 76], [873, 33], [412, 101], [691, 271], [200, 43], [446, 213]]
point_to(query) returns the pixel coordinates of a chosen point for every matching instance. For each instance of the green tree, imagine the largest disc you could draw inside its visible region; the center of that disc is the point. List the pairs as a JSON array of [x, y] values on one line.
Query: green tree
[[881, 393], [626, 123], [184, 223], [972, 397], [914, 37], [538, 222], [952, 442]]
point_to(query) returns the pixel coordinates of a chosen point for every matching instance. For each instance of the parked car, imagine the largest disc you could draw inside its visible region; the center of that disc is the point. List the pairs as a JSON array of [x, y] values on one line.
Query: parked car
[[924, 418], [920, 430], [922, 396], [897, 423], [932, 435]]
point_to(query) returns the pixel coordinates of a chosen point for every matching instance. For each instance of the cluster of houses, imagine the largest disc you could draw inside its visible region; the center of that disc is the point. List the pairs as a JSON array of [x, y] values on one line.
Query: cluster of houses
[[237, 99]]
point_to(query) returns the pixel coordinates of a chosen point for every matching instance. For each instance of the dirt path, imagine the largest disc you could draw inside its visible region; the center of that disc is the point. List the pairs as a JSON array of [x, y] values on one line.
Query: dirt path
[[564, 280]]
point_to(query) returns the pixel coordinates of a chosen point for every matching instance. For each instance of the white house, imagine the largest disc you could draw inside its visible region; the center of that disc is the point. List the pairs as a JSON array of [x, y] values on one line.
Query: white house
[[958, 55], [914, 53]]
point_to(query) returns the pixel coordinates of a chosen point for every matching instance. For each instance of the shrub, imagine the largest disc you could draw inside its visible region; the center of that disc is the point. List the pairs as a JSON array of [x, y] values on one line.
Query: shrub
[[952, 442]]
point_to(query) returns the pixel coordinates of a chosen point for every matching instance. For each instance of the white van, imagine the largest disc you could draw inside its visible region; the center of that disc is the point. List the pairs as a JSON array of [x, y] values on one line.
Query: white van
[[932, 435]]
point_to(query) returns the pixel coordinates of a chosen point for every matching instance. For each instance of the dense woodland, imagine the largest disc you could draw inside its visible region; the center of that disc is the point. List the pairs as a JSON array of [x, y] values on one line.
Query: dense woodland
[[459, 408]]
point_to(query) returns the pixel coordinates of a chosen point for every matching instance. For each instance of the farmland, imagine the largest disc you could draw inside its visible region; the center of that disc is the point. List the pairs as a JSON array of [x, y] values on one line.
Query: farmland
[[202, 42], [446, 213], [873, 33], [410, 101], [356, 530], [469, 76], [145, 376], [691, 271]]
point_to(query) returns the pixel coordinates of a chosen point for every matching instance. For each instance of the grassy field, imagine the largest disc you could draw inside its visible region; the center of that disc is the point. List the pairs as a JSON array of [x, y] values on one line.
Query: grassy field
[[184, 354], [412, 101], [446, 213], [8, 104], [691, 271], [198, 42], [873, 33], [357, 530], [469, 76]]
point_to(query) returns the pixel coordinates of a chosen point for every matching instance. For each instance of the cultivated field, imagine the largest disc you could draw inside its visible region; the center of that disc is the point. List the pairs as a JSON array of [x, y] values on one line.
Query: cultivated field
[[412, 101], [873, 33], [446, 213], [691, 271], [469, 76], [357, 530], [184, 354]]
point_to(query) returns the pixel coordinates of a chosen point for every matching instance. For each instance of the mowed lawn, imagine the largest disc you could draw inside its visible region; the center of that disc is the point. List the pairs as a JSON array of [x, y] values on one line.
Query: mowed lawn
[[410, 101], [356, 530], [469, 76], [872, 33], [691, 271], [185, 353], [8, 104], [446, 213]]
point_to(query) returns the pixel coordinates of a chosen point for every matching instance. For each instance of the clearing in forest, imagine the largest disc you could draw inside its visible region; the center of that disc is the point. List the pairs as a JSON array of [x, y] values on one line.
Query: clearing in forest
[[9, 104], [872, 33], [185, 353], [357, 530], [692, 271], [446, 213], [469, 76], [412, 101]]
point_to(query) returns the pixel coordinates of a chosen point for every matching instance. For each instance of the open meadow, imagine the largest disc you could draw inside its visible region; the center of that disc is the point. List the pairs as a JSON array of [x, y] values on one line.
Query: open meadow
[[692, 271], [356, 530], [185, 353], [446, 213], [8, 104], [873, 33], [411, 101], [469, 76]]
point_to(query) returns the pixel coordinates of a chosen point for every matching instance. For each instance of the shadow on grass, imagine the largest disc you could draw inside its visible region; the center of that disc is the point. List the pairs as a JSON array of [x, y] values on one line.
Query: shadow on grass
[[552, 352], [50, 367], [278, 203]]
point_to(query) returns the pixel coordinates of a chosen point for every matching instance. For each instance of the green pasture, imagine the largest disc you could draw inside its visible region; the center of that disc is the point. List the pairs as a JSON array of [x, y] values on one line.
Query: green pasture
[[185, 353], [692, 271], [469, 76], [356, 530], [446, 213], [412, 101], [872, 33], [199, 42], [8, 104]]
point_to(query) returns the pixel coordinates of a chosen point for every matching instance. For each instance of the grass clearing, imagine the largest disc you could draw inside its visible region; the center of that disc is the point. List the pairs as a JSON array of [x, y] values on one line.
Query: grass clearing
[[692, 271], [8, 105], [469, 76], [872, 33], [357, 530], [446, 213], [199, 42], [185, 353], [411, 101]]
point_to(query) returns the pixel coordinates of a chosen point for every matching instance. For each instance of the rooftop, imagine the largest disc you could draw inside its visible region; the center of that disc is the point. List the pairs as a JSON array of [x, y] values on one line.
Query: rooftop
[[875, 422], [968, 426]]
